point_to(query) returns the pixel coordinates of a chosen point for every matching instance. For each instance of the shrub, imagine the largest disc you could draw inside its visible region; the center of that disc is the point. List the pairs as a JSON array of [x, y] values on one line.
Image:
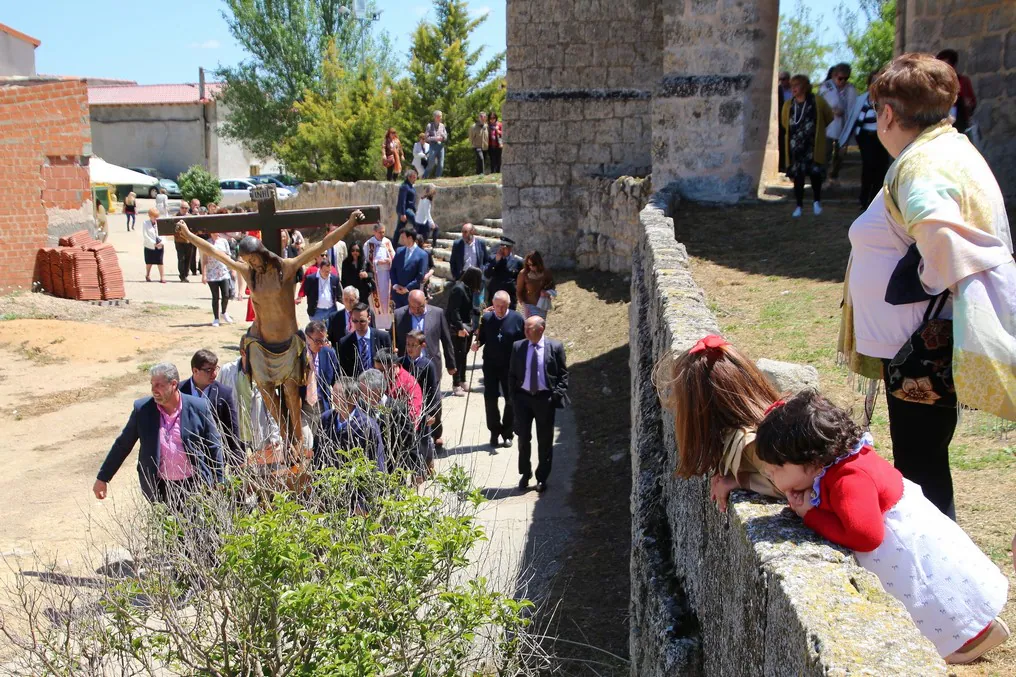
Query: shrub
[[198, 183]]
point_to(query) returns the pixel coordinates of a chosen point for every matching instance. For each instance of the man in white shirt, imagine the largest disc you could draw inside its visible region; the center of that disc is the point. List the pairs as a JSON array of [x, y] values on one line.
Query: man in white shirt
[[840, 95], [322, 291]]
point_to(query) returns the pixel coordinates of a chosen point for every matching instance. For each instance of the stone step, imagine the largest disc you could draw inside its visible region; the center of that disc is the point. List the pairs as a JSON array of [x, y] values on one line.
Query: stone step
[[488, 231], [441, 254], [492, 223], [442, 269], [443, 243]]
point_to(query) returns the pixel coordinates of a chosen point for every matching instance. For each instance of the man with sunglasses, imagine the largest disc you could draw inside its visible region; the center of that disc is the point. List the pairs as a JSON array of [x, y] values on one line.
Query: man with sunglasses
[[202, 383], [359, 348], [841, 96]]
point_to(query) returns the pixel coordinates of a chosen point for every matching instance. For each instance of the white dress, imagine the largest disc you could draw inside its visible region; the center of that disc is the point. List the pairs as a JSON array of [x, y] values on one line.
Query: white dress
[[926, 561], [380, 254]]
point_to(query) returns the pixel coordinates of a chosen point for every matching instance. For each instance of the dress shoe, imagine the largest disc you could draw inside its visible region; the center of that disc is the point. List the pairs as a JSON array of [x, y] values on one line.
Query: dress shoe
[[524, 482], [541, 487], [494, 440], [508, 441]]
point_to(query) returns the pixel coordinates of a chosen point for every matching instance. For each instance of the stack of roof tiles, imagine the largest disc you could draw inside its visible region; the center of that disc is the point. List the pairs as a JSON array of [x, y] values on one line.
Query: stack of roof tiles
[[81, 268]]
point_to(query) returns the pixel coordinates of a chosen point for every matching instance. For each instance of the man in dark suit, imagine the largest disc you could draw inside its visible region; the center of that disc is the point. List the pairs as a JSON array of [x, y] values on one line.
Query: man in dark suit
[[326, 363], [502, 272], [347, 426], [203, 383], [405, 207], [467, 251], [499, 330], [323, 292], [180, 445], [538, 377], [432, 322], [428, 377], [408, 268], [357, 350], [341, 322]]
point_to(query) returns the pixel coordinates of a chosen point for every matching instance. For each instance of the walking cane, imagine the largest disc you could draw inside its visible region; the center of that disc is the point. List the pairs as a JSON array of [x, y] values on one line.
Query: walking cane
[[465, 410]]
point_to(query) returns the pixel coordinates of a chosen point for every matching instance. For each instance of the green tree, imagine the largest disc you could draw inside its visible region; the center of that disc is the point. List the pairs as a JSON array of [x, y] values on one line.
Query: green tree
[[873, 45], [340, 128], [287, 41], [446, 74], [801, 51], [198, 183]]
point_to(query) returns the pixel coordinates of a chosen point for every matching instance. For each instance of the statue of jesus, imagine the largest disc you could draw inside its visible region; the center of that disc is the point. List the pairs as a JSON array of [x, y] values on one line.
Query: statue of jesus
[[276, 355]]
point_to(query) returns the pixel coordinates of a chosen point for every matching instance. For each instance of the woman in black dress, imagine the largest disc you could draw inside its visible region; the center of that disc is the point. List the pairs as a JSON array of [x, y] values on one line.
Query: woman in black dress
[[460, 320], [806, 116], [355, 273]]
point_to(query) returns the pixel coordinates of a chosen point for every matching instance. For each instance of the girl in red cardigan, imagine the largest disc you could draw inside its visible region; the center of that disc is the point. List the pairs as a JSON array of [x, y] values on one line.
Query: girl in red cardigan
[[833, 478]]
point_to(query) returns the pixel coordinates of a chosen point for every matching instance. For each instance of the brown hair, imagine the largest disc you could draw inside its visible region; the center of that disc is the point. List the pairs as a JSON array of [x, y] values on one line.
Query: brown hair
[[710, 393], [920, 88], [534, 261], [808, 429], [803, 81]]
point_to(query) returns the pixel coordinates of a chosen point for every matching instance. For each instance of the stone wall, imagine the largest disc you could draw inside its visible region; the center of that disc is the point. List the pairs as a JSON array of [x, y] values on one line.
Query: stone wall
[[984, 34], [453, 205], [752, 591], [608, 222]]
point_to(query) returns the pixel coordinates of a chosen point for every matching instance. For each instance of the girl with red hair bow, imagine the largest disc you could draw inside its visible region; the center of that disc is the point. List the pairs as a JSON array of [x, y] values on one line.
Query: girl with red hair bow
[[718, 397]]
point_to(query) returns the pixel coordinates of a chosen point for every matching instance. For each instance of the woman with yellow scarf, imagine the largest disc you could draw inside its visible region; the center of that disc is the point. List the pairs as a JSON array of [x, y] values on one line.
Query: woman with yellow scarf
[[941, 211]]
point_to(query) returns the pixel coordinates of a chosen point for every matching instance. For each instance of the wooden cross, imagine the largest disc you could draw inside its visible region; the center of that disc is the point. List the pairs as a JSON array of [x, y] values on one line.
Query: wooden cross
[[267, 220]]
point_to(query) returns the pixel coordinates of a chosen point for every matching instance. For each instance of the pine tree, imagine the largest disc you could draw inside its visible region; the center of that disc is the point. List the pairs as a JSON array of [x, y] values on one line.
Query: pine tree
[[446, 75]]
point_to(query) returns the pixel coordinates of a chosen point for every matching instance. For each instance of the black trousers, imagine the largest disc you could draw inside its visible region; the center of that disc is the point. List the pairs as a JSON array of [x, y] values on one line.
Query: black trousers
[[875, 163], [390, 174], [460, 347], [495, 160], [184, 251], [537, 409], [816, 188], [220, 294], [479, 160], [437, 430], [495, 385], [921, 435], [782, 139]]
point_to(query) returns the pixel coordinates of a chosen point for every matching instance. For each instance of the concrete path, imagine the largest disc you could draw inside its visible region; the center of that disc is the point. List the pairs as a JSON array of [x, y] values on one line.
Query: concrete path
[[525, 530]]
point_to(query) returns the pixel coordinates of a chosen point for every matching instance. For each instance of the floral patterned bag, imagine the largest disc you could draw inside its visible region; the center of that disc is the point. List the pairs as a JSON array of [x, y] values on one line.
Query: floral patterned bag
[[922, 369]]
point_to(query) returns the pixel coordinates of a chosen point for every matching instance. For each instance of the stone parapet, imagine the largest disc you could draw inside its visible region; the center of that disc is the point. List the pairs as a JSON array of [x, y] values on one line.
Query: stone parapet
[[752, 591]]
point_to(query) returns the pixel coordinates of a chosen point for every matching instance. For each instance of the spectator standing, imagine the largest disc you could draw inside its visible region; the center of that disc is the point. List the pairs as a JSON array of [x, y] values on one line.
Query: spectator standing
[[479, 139], [428, 377], [806, 118], [323, 292], [840, 95], [405, 400], [405, 207], [192, 256], [162, 203], [154, 248], [421, 244], [257, 429], [963, 110], [325, 361], [420, 151], [467, 251], [216, 275], [502, 272], [862, 123], [496, 134], [409, 267], [357, 350], [184, 249], [391, 154], [783, 94], [202, 383], [425, 225], [500, 328], [535, 286], [130, 210], [436, 135], [460, 321], [354, 272], [378, 256], [341, 322], [348, 426]]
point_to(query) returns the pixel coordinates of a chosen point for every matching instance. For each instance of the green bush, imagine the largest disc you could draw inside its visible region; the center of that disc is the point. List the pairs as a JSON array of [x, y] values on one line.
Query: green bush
[[198, 183]]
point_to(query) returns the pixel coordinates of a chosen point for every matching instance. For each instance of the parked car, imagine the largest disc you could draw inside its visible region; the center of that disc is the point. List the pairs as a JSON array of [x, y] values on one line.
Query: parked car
[[172, 190], [235, 191], [270, 179], [285, 180]]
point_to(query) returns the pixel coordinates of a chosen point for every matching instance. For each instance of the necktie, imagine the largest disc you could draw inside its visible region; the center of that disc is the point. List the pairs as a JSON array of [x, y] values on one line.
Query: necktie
[[364, 354], [534, 382], [349, 323]]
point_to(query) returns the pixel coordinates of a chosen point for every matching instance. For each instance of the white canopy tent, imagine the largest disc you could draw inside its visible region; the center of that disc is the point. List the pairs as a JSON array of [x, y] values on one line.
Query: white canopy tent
[[103, 172]]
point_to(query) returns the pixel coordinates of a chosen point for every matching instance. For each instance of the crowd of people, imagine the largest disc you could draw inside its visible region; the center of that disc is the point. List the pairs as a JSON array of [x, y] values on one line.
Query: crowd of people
[[486, 138], [816, 127], [928, 316]]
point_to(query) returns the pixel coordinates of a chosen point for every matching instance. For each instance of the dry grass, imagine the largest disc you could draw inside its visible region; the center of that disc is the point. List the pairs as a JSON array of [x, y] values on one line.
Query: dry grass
[[775, 285]]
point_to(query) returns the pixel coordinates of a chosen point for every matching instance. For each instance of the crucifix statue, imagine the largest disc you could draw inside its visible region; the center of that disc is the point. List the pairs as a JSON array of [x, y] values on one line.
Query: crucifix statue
[[276, 355]]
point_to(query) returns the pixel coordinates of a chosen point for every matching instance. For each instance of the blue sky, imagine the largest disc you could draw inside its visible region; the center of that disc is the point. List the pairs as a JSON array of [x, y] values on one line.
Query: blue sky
[[166, 42]]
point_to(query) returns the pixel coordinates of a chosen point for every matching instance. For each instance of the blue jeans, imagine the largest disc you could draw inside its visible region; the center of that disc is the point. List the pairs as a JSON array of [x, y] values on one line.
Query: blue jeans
[[435, 161]]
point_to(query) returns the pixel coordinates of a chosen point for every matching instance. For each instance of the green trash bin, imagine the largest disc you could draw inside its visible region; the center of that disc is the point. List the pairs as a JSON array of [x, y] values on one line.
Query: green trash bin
[[101, 195]]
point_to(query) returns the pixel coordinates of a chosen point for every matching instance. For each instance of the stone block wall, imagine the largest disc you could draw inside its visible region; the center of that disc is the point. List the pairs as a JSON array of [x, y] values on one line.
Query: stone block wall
[[44, 145], [749, 592], [984, 34], [580, 79]]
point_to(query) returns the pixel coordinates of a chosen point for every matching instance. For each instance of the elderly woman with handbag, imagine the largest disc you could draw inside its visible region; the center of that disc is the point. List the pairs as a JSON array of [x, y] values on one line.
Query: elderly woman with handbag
[[930, 294]]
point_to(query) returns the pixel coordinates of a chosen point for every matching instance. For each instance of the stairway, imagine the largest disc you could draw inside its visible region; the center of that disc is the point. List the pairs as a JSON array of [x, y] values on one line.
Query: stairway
[[488, 231]]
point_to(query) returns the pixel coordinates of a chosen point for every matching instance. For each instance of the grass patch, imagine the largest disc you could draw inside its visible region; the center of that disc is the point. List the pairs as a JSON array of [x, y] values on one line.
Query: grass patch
[[7, 317]]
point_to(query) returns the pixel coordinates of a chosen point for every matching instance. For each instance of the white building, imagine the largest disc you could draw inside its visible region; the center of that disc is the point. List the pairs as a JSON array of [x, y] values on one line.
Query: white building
[[17, 52]]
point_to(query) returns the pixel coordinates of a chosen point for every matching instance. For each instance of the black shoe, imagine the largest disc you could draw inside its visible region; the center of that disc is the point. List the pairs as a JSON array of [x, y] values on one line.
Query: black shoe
[[494, 440], [524, 482], [508, 441], [541, 487]]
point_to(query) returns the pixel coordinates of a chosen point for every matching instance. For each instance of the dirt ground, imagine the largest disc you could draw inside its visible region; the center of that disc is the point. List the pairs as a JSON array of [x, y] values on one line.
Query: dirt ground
[[775, 285]]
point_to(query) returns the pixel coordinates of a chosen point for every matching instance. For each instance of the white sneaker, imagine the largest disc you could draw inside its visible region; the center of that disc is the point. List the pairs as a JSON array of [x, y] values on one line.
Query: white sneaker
[[215, 323], [227, 318], [817, 208], [797, 213]]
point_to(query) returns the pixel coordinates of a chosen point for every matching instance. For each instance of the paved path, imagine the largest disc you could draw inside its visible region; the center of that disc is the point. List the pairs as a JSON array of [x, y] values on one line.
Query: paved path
[[526, 530]]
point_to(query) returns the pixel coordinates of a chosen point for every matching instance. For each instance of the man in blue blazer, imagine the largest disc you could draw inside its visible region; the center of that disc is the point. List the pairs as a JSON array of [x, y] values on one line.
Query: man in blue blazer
[[325, 361], [408, 268], [405, 208], [180, 445], [358, 349], [323, 292], [468, 251], [202, 383]]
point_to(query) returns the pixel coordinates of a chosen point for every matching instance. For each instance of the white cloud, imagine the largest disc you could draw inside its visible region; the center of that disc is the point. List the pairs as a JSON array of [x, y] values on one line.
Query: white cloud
[[479, 11], [207, 44]]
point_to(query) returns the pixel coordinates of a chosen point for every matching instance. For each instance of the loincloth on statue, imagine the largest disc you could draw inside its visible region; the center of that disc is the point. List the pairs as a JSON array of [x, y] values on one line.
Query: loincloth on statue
[[272, 364]]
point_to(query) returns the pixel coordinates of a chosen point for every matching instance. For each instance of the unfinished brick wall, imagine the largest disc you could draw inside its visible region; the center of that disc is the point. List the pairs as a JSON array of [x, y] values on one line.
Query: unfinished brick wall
[[44, 189]]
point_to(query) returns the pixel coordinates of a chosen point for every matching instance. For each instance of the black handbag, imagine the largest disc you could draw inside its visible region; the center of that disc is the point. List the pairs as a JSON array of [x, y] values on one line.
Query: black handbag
[[922, 369]]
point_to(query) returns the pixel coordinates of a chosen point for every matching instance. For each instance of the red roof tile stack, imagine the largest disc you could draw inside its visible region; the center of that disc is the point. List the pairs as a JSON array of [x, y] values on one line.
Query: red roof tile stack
[[110, 275]]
